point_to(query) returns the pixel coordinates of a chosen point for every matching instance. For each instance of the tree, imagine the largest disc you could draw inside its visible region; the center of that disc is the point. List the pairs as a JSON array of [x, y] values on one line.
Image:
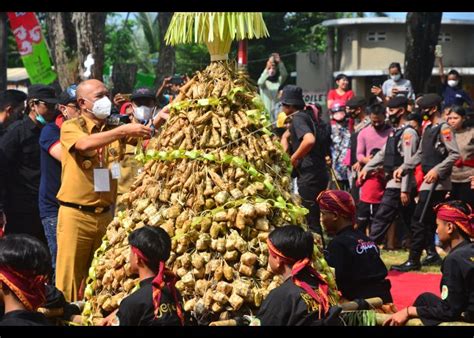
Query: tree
[[3, 50], [90, 36], [422, 31], [62, 41], [148, 42], [167, 57]]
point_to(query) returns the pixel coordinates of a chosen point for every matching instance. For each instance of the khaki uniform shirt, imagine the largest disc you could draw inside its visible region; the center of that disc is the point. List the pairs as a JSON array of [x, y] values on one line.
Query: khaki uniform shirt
[[447, 137], [129, 169], [77, 177], [407, 147]]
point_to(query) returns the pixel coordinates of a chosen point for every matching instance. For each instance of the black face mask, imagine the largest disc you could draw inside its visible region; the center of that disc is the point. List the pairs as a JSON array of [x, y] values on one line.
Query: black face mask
[[394, 119], [426, 115], [379, 127]]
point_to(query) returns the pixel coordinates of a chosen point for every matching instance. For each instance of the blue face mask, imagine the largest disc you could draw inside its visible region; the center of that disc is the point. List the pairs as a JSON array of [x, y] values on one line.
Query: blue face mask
[[41, 119]]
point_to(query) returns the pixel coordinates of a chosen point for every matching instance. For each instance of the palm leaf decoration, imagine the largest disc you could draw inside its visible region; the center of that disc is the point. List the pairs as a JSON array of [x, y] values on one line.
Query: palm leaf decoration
[[215, 29]]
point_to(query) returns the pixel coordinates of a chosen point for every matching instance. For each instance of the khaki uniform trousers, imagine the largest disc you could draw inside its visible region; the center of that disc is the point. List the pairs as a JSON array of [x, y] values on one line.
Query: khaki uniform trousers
[[79, 234]]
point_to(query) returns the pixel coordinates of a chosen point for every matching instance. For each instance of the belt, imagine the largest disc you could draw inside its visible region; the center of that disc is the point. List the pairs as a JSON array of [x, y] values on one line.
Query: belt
[[95, 210]]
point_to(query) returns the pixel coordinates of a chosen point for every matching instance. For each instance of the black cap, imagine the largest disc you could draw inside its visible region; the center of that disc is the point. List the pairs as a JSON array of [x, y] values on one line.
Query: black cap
[[43, 93], [142, 93], [292, 96], [429, 100], [397, 101], [356, 102], [66, 98], [12, 96], [415, 117]]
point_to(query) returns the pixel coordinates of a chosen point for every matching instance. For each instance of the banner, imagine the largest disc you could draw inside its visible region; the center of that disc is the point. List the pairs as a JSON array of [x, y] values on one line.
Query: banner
[[32, 47]]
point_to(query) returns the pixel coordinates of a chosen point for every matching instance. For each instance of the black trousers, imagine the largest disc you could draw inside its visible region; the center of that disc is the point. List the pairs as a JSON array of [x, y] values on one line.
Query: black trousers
[[463, 192], [390, 207], [365, 215], [25, 223], [428, 299], [423, 232], [308, 192]]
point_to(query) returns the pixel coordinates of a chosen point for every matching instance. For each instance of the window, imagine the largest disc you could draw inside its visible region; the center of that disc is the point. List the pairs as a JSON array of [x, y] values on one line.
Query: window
[[376, 36], [444, 37]]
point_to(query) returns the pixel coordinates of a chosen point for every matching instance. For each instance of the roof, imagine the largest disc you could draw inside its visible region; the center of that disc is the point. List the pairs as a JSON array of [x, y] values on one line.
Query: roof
[[380, 72], [17, 74], [386, 20]]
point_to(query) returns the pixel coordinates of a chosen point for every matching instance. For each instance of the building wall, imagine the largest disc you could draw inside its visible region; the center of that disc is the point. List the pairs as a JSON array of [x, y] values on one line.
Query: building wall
[[360, 54], [312, 76]]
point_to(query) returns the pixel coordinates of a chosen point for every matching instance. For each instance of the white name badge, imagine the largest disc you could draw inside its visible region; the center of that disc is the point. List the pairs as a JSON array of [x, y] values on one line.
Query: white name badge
[[101, 180], [115, 170]]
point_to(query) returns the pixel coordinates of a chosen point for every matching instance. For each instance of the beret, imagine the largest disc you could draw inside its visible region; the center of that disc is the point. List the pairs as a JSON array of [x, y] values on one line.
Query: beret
[[356, 101], [397, 101], [429, 100]]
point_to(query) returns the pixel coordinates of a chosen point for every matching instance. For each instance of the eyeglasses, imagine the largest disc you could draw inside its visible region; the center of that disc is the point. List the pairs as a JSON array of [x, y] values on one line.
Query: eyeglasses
[[48, 105]]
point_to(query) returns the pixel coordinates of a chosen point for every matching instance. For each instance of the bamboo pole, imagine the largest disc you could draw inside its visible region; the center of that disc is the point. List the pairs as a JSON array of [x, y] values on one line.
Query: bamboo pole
[[375, 302]]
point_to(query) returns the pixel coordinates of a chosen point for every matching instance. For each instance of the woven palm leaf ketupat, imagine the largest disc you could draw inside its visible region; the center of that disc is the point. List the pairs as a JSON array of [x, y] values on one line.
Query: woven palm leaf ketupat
[[217, 181]]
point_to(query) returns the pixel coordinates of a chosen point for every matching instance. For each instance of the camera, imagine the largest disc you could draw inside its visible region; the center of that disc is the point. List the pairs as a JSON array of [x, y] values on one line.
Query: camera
[[117, 120], [177, 80]]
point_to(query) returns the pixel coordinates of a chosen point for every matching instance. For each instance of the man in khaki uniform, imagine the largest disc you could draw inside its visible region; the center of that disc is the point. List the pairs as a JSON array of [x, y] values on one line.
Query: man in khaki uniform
[[91, 153]]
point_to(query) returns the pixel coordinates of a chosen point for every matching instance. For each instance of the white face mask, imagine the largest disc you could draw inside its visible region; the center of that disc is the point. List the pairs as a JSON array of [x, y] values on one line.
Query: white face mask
[[453, 83], [101, 108], [142, 113], [395, 77]]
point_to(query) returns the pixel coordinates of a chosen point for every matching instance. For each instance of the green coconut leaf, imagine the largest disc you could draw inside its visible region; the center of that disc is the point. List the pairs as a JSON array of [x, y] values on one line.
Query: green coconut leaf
[[202, 27]]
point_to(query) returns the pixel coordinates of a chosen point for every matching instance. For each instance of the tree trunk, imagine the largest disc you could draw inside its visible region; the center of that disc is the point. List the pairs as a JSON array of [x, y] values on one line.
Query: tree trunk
[[123, 77], [166, 54], [63, 45], [90, 36], [3, 51], [422, 31]]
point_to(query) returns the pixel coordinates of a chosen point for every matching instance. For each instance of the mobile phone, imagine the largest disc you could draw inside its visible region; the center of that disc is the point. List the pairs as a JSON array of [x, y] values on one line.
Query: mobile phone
[[127, 96], [176, 79]]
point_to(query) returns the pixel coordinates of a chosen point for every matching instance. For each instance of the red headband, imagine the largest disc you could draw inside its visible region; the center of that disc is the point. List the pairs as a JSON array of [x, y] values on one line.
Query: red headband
[[449, 213], [27, 286], [164, 278], [337, 201], [320, 295]]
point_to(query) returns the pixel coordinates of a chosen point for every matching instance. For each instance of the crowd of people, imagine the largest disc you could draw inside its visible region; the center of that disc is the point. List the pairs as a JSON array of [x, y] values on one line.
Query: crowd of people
[[387, 170]]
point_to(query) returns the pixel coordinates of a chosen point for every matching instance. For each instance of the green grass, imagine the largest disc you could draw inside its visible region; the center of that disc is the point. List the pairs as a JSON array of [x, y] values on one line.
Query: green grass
[[394, 257]]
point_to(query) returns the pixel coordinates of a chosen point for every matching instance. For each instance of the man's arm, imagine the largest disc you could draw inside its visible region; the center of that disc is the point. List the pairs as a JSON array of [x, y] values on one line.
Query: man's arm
[[409, 146], [449, 140], [305, 147], [285, 140], [99, 140], [442, 76], [376, 161]]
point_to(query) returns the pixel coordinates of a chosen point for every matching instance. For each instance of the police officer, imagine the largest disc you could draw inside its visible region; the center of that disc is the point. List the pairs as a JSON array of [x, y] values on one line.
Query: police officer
[[437, 153], [20, 163], [90, 156], [401, 145]]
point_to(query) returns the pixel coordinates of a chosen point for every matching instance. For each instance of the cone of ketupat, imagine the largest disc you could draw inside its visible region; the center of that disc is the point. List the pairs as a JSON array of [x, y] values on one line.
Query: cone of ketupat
[[216, 180]]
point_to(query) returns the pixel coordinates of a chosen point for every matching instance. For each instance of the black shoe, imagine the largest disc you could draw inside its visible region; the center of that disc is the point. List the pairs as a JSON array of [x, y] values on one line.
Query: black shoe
[[432, 259], [409, 265]]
